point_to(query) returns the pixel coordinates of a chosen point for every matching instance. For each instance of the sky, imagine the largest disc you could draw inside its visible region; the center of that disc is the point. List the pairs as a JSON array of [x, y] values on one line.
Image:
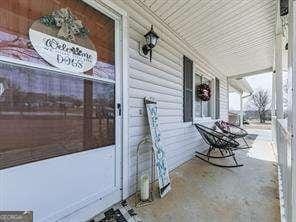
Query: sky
[[262, 81]]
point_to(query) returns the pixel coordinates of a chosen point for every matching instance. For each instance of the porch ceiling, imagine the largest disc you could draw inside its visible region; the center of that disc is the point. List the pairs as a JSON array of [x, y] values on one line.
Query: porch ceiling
[[235, 36]]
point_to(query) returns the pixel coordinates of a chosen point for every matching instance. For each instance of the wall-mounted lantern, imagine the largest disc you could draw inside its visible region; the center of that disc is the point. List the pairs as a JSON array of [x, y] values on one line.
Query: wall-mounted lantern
[[151, 41], [3, 86]]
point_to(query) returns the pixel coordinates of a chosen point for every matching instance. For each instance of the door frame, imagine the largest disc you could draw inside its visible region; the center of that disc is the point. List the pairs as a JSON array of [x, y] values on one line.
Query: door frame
[[121, 67], [120, 17]]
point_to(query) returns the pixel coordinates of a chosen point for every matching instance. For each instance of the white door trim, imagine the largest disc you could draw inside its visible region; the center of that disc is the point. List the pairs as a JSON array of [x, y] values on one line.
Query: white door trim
[[118, 14], [88, 207]]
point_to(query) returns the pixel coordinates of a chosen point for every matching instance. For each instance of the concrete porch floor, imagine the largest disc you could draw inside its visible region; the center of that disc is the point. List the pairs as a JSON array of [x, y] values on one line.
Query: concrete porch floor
[[205, 193]]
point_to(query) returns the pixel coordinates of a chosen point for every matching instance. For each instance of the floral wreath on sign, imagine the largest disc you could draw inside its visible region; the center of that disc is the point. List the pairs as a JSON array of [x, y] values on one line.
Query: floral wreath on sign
[[203, 92], [69, 26]]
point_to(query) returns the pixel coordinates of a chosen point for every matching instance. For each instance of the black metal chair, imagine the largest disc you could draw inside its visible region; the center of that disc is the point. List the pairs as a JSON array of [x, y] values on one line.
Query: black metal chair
[[234, 132], [217, 141]]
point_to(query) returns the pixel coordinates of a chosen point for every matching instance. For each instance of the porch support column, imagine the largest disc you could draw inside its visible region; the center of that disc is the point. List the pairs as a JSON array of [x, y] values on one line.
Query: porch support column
[[273, 106], [279, 76], [292, 105], [273, 94], [241, 110]]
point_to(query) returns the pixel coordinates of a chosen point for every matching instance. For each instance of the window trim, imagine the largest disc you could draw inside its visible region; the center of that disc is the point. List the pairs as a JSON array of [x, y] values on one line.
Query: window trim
[[211, 78]]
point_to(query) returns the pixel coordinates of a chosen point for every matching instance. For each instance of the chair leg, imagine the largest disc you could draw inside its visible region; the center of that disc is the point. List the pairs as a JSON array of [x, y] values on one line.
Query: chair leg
[[208, 156], [234, 159], [246, 146], [209, 153]]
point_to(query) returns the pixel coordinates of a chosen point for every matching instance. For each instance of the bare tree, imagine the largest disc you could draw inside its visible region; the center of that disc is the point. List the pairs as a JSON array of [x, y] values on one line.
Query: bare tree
[[261, 101]]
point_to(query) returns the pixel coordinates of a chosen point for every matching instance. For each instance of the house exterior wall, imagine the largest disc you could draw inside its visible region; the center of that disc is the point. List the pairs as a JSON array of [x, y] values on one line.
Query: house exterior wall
[[162, 79]]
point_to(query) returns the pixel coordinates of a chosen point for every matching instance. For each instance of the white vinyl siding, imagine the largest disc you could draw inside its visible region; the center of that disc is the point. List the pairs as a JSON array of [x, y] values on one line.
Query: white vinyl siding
[[162, 79]]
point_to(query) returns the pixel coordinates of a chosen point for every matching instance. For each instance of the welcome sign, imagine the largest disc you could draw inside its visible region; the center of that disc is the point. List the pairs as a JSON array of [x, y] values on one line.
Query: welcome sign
[[61, 40], [160, 157]]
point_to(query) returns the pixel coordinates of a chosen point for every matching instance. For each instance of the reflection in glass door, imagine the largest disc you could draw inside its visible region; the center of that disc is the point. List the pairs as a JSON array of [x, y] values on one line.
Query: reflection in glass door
[[43, 114]]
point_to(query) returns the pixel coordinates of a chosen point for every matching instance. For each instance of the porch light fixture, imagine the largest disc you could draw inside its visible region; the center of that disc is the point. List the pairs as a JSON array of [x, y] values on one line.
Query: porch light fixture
[[151, 41], [3, 86]]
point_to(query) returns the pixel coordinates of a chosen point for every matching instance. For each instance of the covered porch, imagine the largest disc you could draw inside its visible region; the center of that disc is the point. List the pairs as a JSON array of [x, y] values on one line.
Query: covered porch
[[262, 189], [215, 44], [202, 192]]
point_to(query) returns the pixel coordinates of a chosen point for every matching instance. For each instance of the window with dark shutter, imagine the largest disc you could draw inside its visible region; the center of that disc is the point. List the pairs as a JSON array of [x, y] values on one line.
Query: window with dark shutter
[[187, 89], [217, 98]]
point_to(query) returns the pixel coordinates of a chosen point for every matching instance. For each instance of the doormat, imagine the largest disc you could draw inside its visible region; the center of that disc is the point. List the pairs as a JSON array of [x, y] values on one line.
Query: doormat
[[120, 212]]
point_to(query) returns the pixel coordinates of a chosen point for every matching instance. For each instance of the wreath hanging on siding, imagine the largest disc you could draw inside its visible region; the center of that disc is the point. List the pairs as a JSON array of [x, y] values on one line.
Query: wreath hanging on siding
[[204, 92]]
